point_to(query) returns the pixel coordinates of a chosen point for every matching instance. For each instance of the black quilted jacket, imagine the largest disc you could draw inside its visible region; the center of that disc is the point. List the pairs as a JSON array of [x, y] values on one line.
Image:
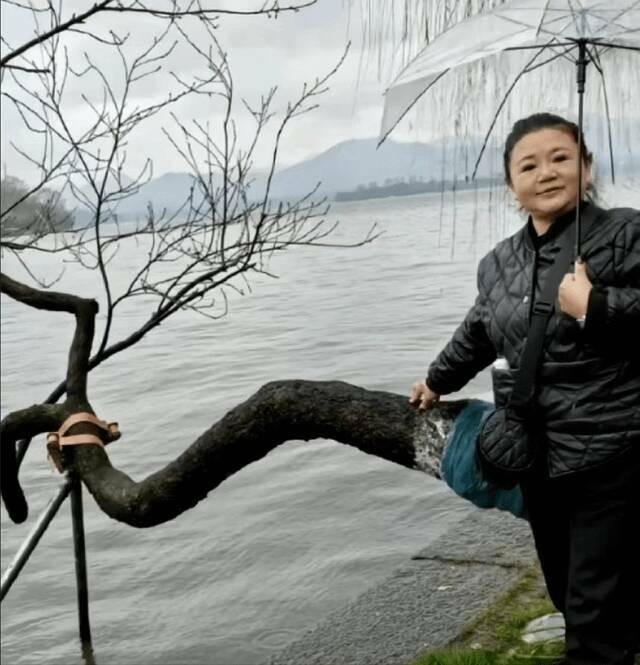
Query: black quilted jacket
[[589, 385]]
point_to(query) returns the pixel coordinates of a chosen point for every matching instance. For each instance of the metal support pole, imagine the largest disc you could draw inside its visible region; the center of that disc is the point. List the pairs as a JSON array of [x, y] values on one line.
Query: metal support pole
[[81, 565], [30, 542]]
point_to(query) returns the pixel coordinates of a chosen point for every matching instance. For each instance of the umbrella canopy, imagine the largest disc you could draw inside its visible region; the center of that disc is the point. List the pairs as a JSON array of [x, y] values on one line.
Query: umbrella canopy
[[555, 26], [547, 31]]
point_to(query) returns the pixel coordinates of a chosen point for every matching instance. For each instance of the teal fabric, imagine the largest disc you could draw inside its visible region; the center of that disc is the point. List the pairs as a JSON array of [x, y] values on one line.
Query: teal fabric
[[459, 468]]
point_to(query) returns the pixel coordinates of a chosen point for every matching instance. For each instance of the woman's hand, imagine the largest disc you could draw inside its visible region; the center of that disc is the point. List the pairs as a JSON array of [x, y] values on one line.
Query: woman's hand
[[423, 396], [573, 293]]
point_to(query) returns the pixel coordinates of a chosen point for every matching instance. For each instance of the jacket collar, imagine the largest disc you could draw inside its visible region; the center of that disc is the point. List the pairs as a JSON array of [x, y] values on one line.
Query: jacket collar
[[588, 210]]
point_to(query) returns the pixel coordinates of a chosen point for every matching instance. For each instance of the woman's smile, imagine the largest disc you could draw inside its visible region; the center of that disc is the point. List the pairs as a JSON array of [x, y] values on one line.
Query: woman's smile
[[551, 191]]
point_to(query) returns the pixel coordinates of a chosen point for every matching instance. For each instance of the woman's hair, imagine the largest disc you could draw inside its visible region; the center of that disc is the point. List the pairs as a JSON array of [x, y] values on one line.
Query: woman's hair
[[535, 122]]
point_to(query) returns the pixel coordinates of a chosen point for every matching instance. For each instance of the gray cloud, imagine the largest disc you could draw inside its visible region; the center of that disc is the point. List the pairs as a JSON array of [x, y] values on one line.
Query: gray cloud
[[287, 52]]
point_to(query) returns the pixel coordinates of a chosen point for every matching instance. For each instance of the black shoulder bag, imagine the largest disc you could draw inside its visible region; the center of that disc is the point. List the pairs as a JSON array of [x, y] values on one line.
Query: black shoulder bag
[[507, 445]]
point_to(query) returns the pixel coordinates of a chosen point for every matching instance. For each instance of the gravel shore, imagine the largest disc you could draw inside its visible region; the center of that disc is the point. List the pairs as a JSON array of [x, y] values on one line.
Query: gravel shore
[[425, 603]]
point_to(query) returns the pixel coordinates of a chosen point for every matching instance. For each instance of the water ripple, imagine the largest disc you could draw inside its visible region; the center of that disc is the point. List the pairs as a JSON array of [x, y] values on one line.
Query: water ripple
[[289, 538]]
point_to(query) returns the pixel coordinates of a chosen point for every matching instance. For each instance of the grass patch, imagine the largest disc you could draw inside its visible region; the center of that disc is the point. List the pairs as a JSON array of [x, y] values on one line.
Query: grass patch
[[453, 657], [494, 638]]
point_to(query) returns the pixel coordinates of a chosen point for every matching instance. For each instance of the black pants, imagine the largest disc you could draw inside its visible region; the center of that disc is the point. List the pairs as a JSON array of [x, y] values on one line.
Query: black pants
[[586, 526]]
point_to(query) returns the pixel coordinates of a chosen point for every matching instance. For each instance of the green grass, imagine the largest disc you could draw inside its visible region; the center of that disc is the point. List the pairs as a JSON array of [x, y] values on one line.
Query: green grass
[[494, 638], [482, 657]]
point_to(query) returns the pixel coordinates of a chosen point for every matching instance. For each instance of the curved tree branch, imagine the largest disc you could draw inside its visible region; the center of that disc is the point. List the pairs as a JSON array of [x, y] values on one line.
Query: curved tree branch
[[85, 311], [27, 422], [39, 299], [33, 421], [40, 418], [378, 423]]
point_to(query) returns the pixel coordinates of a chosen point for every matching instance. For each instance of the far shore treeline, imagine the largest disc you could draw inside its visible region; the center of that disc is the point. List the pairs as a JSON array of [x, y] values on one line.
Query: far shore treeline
[[402, 188], [31, 212]]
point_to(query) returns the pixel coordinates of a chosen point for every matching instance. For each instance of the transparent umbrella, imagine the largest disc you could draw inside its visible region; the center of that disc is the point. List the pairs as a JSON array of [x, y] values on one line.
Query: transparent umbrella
[[546, 32]]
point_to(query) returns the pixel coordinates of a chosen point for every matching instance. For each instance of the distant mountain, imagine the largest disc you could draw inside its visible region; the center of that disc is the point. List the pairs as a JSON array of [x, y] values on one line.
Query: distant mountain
[[342, 167], [165, 193], [358, 163]]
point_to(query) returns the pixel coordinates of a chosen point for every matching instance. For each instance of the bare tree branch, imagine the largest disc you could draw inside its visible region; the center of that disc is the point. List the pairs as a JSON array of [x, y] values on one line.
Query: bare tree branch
[[18, 424], [378, 423], [187, 257], [136, 7]]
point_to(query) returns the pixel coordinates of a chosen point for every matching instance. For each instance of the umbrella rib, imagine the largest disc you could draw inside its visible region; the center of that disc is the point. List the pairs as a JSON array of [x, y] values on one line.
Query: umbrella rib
[[542, 17], [527, 26], [501, 106], [611, 45], [594, 42], [621, 26], [410, 106], [554, 57], [612, 21], [622, 12], [551, 44], [576, 17], [561, 17], [575, 12], [595, 57]]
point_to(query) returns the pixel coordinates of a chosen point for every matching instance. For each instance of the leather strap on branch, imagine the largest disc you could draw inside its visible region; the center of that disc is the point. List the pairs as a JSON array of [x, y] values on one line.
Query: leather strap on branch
[[56, 440]]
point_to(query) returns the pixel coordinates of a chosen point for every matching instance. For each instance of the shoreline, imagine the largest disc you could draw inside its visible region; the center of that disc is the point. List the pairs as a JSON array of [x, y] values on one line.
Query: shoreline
[[427, 602]]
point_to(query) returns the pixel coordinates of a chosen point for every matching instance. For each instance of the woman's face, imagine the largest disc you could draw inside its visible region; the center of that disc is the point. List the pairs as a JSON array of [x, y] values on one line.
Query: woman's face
[[544, 173]]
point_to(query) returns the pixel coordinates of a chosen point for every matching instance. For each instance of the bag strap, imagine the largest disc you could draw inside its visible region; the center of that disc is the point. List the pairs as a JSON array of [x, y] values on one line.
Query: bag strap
[[525, 379]]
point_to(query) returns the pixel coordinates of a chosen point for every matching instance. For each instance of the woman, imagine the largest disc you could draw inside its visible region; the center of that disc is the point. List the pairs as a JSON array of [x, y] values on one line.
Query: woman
[[583, 499]]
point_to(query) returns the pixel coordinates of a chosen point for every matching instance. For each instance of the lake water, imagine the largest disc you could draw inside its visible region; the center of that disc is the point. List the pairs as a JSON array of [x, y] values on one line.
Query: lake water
[[294, 536]]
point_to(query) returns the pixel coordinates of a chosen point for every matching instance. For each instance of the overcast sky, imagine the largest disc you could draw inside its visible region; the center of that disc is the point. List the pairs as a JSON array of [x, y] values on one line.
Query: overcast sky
[[287, 52], [263, 52]]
